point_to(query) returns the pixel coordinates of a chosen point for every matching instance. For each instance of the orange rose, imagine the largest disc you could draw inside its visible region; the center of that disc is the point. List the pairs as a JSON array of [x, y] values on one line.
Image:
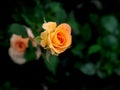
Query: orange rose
[[18, 43], [57, 39]]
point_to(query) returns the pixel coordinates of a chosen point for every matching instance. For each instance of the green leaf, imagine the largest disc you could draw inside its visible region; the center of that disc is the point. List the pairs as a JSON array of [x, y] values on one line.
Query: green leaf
[[93, 49], [27, 20], [74, 24], [77, 50], [86, 32], [30, 53], [101, 74], [111, 42], [108, 68], [117, 71], [7, 85], [94, 18], [39, 13], [88, 69], [109, 22], [52, 63], [17, 29], [51, 79], [56, 5], [38, 39], [56, 13], [78, 65], [61, 16], [112, 56]]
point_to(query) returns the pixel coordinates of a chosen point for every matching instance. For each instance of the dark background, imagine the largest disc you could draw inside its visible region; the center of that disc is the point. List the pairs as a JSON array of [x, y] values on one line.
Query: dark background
[[32, 75]]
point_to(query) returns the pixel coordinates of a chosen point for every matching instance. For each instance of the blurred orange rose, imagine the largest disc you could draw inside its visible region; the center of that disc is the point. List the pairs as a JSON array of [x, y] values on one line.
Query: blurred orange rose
[[17, 48], [57, 39]]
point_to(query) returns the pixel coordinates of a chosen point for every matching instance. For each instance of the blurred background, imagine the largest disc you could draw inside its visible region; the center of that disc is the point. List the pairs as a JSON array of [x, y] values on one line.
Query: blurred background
[[91, 63]]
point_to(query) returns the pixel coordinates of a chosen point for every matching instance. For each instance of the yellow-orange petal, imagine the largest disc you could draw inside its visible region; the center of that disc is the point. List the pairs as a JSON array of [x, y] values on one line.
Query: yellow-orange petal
[[44, 39], [49, 26], [64, 26]]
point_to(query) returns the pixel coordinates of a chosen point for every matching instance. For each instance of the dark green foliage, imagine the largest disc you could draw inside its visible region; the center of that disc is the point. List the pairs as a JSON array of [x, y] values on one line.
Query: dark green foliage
[[30, 53], [95, 48]]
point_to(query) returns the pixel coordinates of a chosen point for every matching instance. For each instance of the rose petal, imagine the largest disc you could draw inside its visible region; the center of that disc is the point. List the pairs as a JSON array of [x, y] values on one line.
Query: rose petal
[[16, 57], [64, 26], [31, 36], [38, 53], [44, 41], [29, 32], [19, 43], [49, 26]]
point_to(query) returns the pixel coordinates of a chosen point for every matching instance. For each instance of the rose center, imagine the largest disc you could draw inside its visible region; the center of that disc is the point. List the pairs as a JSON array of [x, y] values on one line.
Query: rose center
[[20, 45], [60, 37]]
